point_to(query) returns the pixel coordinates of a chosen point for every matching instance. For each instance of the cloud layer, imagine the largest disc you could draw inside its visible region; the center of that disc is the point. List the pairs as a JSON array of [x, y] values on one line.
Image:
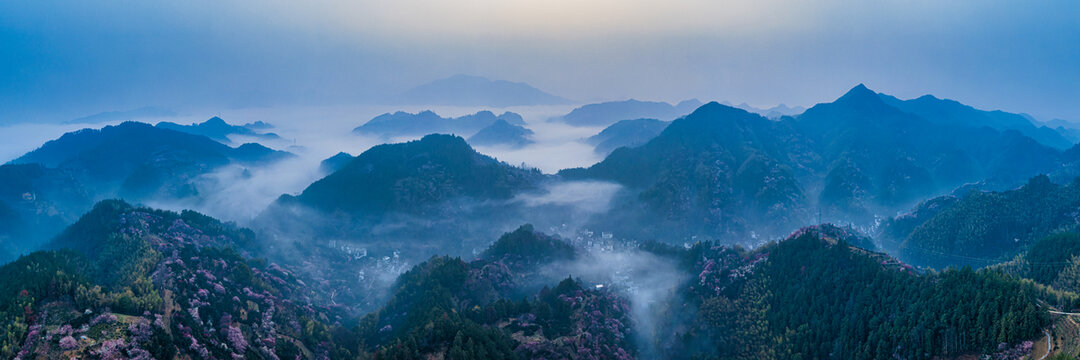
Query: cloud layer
[[64, 60]]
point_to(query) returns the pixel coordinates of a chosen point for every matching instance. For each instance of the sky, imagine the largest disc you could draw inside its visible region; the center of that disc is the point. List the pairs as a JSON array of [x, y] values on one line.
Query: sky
[[61, 60]]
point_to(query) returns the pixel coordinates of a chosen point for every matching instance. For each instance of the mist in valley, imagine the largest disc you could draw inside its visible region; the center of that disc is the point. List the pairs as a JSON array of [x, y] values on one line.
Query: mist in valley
[[898, 159]]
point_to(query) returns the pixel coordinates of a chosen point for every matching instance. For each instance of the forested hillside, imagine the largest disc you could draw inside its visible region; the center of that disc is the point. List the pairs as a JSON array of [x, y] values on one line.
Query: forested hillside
[[814, 296], [985, 228], [142, 283], [726, 173]]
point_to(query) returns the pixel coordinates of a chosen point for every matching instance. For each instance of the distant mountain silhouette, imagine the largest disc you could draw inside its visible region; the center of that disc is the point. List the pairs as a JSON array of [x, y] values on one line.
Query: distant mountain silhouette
[[502, 133], [687, 106], [1068, 129], [468, 90], [722, 170], [951, 112], [335, 163], [52, 185], [896, 158], [217, 129], [116, 152], [607, 113], [401, 123], [629, 133], [126, 115], [774, 112], [258, 126]]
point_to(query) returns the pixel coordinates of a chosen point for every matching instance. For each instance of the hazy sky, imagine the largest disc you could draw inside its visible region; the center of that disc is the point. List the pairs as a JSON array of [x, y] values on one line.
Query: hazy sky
[[63, 59]]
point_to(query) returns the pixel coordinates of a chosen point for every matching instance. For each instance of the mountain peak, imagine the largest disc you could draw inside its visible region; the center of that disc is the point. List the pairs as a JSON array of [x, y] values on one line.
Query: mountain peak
[[859, 92], [928, 97], [861, 97], [447, 140], [714, 108], [471, 90]]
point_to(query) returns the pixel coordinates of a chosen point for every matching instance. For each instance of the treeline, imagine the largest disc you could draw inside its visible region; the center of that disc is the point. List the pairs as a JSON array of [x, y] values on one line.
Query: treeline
[[985, 228], [157, 284], [813, 296], [36, 276], [460, 310]]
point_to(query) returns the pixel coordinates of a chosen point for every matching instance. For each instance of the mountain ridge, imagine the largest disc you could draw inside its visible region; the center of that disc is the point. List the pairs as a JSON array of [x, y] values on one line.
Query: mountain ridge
[[470, 90]]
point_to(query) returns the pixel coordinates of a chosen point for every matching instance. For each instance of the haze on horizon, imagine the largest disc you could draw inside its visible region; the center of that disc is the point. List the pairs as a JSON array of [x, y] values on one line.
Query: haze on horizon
[[65, 60]]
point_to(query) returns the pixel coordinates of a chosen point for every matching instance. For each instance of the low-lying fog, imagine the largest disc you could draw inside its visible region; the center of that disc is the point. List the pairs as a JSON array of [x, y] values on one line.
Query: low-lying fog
[[316, 133]]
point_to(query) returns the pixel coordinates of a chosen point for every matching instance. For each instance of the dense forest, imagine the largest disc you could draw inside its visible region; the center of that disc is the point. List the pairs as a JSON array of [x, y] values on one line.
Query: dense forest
[[555, 180], [985, 228], [478, 310], [137, 282], [727, 173], [143, 283], [814, 296], [685, 251]]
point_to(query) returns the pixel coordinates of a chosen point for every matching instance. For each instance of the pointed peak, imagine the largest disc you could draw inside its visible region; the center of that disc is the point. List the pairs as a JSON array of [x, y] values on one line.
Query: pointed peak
[[214, 120], [860, 94], [713, 107], [859, 90]]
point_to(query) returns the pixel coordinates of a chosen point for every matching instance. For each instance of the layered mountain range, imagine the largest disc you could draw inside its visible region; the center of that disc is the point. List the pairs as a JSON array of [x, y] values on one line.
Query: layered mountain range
[[53, 185], [703, 233]]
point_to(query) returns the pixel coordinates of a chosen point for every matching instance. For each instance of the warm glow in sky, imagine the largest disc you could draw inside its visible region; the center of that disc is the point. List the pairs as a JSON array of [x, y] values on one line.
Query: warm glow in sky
[[66, 59]]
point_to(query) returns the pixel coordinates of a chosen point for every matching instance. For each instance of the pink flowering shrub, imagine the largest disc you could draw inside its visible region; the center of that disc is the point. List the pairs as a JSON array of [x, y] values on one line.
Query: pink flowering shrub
[[140, 330], [106, 318], [111, 349], [68, 343], [236, 339]]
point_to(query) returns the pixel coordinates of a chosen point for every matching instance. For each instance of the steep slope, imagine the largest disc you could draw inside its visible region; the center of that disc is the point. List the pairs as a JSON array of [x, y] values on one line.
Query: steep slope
[[433, 195], [335, 163], [37, 203], [139, 283], [813, 295], [724, 172], [628, 133], [1052, 260], [984, 228], [9, 221], [410, 176], [906, 156], [54, 184], [217, 129], [718, 170], [502, 133], [138, 156], [468, 90], [895, 158], [951, 112], [446, 307], [400, 124]]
